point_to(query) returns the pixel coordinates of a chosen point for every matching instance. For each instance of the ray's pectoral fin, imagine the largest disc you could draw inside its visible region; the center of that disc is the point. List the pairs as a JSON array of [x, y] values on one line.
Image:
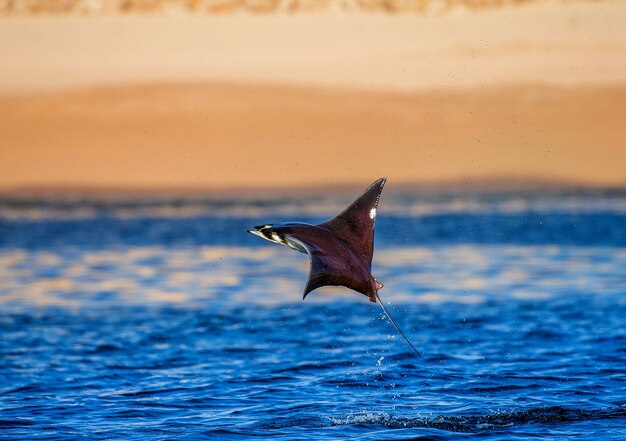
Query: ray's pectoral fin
[[355, 225], [332, 270], [322, 272]]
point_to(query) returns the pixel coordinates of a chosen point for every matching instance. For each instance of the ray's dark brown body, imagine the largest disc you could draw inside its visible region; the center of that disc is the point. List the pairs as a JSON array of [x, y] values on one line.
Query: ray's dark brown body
[[333, 260], [340, 249]]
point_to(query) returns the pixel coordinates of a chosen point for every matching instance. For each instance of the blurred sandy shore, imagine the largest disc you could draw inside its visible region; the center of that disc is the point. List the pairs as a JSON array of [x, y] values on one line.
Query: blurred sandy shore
[[552, 43], [234, 135], [97, 7], [535, 92]]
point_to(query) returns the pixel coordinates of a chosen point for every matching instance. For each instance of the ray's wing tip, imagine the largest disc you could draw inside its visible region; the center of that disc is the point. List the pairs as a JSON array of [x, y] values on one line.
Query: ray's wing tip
[[379, 184], [380, 181]]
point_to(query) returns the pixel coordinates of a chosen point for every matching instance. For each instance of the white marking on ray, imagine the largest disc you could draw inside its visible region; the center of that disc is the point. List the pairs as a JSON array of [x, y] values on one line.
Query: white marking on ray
[[257, 233], [372, 213]]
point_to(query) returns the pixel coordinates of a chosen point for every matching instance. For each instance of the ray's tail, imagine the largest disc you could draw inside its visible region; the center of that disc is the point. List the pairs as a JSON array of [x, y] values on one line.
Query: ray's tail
[[394, 324]]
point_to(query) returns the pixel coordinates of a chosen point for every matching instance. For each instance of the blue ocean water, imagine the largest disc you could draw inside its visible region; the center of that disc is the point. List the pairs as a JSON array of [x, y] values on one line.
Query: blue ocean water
[[127, 318]]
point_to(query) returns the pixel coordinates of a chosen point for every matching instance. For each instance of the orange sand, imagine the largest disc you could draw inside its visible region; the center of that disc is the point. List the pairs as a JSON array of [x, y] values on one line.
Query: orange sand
[[204, 135]]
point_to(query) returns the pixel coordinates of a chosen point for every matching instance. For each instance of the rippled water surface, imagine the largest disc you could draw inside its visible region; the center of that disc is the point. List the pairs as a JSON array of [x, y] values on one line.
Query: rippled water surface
[[159, 318]]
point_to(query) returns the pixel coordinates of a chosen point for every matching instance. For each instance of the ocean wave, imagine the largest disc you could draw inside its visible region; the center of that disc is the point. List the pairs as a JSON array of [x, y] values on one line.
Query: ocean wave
[[497, 420]]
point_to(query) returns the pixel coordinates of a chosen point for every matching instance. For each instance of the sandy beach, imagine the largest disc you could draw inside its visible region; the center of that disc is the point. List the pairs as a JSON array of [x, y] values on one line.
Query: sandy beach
[[533, 92], [234, 135]]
